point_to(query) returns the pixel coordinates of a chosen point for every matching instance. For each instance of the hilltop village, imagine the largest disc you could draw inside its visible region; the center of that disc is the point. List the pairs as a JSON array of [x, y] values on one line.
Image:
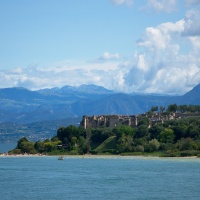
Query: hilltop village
[[112, 121]]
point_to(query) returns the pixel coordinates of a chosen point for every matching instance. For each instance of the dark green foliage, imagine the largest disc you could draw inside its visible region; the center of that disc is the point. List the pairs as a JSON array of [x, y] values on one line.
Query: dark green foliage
[[183, 108], [154, 108], [100, 134], [155, 130], [124, 130], [141, 131], [180, 131], [193, 131], [39, 146], [172, 108], [166, 136], [82, 143], [152, 146], [66, 133], [186, 144], [144, 121], [125, 143], [25, 146], [162, 109]]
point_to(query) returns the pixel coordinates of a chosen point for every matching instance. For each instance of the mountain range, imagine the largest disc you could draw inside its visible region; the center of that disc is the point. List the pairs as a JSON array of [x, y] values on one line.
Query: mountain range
[[39, 114], [20, 105]]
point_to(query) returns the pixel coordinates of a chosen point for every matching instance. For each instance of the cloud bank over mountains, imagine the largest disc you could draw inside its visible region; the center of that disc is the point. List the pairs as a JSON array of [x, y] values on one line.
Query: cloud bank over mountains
[[167, 60]]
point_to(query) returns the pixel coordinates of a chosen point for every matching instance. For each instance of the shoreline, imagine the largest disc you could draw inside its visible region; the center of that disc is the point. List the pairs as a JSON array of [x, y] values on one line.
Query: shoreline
[[97, 156]]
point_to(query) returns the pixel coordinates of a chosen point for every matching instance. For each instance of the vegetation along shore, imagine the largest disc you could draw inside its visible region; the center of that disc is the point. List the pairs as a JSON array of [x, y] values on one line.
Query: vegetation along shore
[[174, 137]]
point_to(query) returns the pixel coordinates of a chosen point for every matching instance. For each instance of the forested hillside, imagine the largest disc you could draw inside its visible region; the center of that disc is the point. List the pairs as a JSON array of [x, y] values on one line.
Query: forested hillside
[[178, 137]]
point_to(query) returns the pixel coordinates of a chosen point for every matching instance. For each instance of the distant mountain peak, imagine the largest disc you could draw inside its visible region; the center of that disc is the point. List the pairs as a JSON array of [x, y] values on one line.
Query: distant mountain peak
[[194, 91], [84, 89], [91, 88]]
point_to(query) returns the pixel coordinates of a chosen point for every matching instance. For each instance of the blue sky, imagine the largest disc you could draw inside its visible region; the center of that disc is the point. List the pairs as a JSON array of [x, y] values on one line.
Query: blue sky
[[149, 46]]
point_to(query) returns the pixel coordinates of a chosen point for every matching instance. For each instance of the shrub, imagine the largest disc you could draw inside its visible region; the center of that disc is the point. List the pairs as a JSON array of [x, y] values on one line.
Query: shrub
[[139, 148]]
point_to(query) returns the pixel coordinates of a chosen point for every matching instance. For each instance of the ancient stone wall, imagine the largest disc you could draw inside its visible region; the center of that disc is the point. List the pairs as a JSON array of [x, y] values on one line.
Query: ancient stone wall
[[112, 121], [109, 121]]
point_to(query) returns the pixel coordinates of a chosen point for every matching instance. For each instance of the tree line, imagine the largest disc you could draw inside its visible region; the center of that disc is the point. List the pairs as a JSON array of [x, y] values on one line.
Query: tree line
[[176, 108]]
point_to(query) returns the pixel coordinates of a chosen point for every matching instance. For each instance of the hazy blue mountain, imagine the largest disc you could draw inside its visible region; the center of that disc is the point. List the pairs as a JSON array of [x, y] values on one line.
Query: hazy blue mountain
[[21, 105], [191, 97], [82, 89]]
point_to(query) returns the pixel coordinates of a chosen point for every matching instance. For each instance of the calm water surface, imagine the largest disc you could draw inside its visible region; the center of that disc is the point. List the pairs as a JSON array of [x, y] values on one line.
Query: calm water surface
[[99, 178]]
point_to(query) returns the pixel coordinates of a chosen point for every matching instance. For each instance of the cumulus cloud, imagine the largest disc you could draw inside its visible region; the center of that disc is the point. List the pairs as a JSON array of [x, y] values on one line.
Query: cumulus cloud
[[162, 5], [160, 66], [121, 2]]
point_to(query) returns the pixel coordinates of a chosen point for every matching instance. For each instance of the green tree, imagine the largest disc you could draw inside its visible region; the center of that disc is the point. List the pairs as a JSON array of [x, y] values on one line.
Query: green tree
[[155, 131], [49, 146], [172, 108], [141, 131], [124, 130], [153, 146], [144, 121], [82, 144], [183, 108], [20, 141], [180, 130], [88, 137], [186, 144], [162, 109], [39, 146], [25, 146], [192, 108], [193, 131], [99, 135], [66, 133], [154, 108], [139, 148], [167, 136], [125, 143]]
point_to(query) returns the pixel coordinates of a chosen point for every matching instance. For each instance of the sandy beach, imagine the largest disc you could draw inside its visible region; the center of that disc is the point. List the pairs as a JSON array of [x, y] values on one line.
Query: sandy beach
[[97, 156]]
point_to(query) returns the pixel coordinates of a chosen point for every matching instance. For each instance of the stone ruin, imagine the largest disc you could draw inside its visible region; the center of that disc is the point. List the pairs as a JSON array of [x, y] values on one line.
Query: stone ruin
[[112, 121], [109, 121]]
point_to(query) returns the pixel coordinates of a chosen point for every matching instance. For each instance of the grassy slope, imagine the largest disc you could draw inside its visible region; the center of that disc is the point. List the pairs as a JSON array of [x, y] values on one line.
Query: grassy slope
[[109, 143]]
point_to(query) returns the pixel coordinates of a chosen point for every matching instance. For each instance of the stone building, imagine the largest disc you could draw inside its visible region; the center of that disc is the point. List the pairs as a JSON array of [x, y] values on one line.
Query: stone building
[[112, 121], [109, 121]]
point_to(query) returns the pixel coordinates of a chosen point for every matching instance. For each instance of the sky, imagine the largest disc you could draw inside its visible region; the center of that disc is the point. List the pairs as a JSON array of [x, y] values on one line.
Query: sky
[[145, 46]]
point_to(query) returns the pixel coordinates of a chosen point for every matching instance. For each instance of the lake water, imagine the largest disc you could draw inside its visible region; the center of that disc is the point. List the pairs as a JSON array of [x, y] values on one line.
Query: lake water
[[5, 147], [124, 178]]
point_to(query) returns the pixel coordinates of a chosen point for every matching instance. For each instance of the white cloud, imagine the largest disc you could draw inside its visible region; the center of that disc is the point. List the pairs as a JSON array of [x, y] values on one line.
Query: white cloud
[[192, 23], [160, 36], [121, 2], [142, 64], [160, 66], [109, 56], [162, 5], [195, 43], [88, 73]]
